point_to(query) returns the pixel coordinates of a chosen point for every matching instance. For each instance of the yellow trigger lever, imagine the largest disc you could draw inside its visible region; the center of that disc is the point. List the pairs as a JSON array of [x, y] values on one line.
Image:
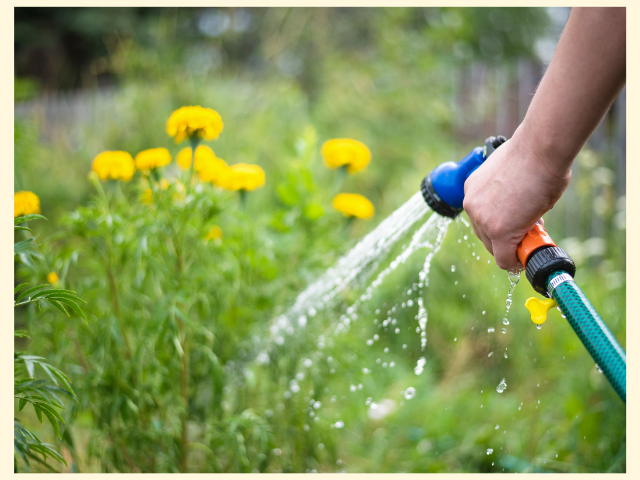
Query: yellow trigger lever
[[539, 308]]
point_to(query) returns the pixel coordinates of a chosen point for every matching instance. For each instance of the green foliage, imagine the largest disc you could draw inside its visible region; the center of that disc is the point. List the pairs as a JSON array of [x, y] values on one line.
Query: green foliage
[[42, 394]]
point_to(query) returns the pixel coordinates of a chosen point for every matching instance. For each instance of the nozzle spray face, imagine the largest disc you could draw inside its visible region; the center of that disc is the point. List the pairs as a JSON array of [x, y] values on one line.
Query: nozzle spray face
[[435, 202]]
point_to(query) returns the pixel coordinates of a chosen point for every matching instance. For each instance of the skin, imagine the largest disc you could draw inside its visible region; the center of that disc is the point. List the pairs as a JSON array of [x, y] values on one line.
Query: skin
[[528, 174]]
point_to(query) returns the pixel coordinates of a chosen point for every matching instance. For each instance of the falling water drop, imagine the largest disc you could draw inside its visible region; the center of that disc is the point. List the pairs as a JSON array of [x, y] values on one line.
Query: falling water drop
[[409, 393], [502, 386]]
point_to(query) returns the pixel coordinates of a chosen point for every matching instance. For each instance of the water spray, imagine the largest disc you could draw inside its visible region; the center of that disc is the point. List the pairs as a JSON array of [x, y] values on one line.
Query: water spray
[[549, 269]]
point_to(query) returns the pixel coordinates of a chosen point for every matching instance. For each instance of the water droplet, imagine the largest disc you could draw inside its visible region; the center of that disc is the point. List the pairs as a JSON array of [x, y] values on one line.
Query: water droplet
[[453, 268], [410, 303], [497, 427], [466, 237], [397, 330], [321, 446], [339, 424], [392, 364], [505, 321], [598, 368], [539, 326], [491, 329], [352, 388], [505, 354], [317, 405], [484, 311], [504, 330], [502, 386], [409, 393], [455, 339], [404, 346], [489, 451], [365, 371], [376, 337]]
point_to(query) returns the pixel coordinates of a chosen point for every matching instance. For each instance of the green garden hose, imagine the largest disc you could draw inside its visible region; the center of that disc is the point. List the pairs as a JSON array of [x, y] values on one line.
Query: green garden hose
[[594, 334]]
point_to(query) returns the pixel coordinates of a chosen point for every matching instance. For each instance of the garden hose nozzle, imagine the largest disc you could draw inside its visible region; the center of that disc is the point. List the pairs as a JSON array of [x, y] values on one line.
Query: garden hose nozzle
[[549, 268], [443, 188]]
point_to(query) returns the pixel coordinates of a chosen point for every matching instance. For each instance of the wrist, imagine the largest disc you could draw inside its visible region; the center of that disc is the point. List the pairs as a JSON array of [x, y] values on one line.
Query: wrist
[[545, 150]]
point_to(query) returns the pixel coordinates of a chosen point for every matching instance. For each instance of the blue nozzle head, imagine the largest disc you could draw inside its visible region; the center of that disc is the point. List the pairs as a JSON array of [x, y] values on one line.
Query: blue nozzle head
[[443, 188]]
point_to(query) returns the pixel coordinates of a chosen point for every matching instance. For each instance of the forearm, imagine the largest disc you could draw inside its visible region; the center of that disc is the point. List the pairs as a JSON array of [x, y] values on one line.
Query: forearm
[[586, 74]]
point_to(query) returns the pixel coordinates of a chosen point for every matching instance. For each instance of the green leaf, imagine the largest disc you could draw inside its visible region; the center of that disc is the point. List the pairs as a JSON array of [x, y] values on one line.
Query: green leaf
[[26, 433], [26, 218], [38, 412], [29, 362], [74, 306], [22, 246], [59, 293], [20, 449], [47, 448], [49, 412], [19, 287], [21, 334], [59, 307], [21, 404], [16, 227], [52, 410], [27, 292], [63, 378]]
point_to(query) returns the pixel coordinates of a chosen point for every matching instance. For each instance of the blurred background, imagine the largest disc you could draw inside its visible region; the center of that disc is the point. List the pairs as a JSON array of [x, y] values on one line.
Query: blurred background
[[419, 86]]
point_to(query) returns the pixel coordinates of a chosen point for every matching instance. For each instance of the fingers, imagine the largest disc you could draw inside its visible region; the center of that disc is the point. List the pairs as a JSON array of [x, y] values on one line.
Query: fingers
[[505, 255], [483, 238], [541, 221]]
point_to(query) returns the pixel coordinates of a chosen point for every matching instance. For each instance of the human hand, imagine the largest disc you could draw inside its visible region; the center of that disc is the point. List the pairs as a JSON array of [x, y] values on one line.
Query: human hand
[[509, 193]]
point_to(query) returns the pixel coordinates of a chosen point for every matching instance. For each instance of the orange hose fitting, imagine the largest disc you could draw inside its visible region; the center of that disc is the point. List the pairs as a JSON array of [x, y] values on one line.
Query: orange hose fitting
[[535, 238]]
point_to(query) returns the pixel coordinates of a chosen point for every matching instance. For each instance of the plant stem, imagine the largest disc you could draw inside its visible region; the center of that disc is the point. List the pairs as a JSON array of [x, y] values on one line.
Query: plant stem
[[194, 141], [115, 299], [184, 371]]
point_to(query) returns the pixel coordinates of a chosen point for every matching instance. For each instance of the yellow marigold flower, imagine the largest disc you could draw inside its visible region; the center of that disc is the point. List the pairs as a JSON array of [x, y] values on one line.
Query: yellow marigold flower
[[345, 151], [242, 177], [208, 166], [184, 158], [189, 121], [115, 165], [52, 278], [152, 158], [354, 205], [206, 159], [25, 203], [214, 233]]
